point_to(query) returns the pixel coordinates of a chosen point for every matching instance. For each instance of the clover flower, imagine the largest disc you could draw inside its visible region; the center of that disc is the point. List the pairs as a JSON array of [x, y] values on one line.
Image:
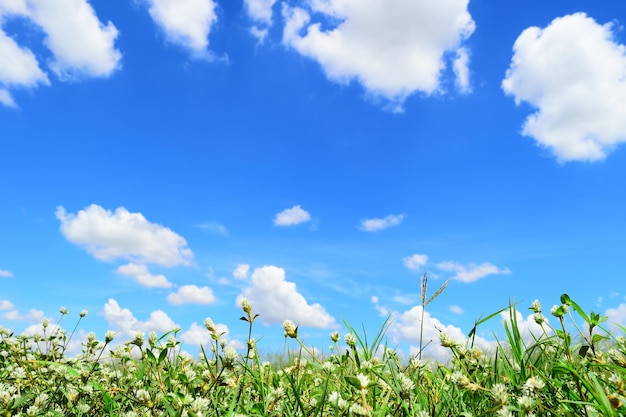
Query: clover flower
[[334, 336], [536, 306], [290, 329], [246, 306], [109, 336], [210, 326], [350, 340], [359, 410], [83, 313]]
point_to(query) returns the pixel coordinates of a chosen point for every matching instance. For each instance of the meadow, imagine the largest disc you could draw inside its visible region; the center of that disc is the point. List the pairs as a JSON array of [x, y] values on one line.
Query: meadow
[[577, 368]]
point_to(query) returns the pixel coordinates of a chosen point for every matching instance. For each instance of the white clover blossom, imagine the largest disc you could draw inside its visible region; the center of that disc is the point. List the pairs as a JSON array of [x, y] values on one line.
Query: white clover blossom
[[109, 336], [290, 329], [350, 340], [359, 410], [363, 380], [245, 305], [536, 306]]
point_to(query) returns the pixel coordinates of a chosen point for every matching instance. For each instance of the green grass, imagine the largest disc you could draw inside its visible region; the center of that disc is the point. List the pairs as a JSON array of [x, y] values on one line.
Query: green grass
[[577, 372]]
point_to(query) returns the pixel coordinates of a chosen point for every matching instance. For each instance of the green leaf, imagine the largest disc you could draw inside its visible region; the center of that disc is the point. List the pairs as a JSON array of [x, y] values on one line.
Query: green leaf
[[565, 299], [162, 356], [150, 355]]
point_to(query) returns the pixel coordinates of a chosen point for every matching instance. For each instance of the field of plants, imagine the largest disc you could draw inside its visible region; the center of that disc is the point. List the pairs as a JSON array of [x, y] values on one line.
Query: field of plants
[[577, 368]]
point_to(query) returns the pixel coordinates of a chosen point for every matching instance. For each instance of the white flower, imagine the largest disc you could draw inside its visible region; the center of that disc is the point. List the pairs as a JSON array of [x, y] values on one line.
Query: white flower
[[363, 380]]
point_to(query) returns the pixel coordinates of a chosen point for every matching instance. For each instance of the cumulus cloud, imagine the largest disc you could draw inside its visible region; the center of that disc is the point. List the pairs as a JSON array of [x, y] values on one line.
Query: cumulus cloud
[[616, 315], [277, 300], [415, 261], [241, 272], [123, 321], [111, 235], [292, 216], [185, 22], [392, 48], [191, 294], [33, 315], [407, 327], [82, 46], [374, 225], [142, 275], [260, 10], [198, 335], [574, 73], [5, 273], [5, 305], [471, 273]]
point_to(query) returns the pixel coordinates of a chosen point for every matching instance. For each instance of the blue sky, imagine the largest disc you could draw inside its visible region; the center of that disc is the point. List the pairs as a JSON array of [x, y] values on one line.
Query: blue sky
[[161, 161]]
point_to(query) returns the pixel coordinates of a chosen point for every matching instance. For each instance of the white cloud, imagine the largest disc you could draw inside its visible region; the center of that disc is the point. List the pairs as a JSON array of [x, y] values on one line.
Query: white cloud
[[142, 275], [574, 73], [185, 22], [81, 44], [392, 48], [471, 273], [241, 272], [382, 310], [406, 327], [260, 10], [456, 309], [33, 315], [125, 235], [374, 225], [214, 228], [19, 67], [415, 261], [292, 216], [122, 320], [5, 273], [7, 99], [6, 305], [192, 294], [199, 335], [277, 300], [616, 315], [528, 327], [461, 70]]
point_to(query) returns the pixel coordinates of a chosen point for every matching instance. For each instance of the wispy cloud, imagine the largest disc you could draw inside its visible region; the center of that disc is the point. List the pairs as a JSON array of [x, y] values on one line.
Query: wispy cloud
[[374, 225], [5, 305], [471, 273], [582, 123], [292, 216], [5, 273], [214, 228]]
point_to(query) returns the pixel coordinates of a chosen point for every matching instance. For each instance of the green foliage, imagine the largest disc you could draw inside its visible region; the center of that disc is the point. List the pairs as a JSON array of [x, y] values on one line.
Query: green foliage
[[554, 373]]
